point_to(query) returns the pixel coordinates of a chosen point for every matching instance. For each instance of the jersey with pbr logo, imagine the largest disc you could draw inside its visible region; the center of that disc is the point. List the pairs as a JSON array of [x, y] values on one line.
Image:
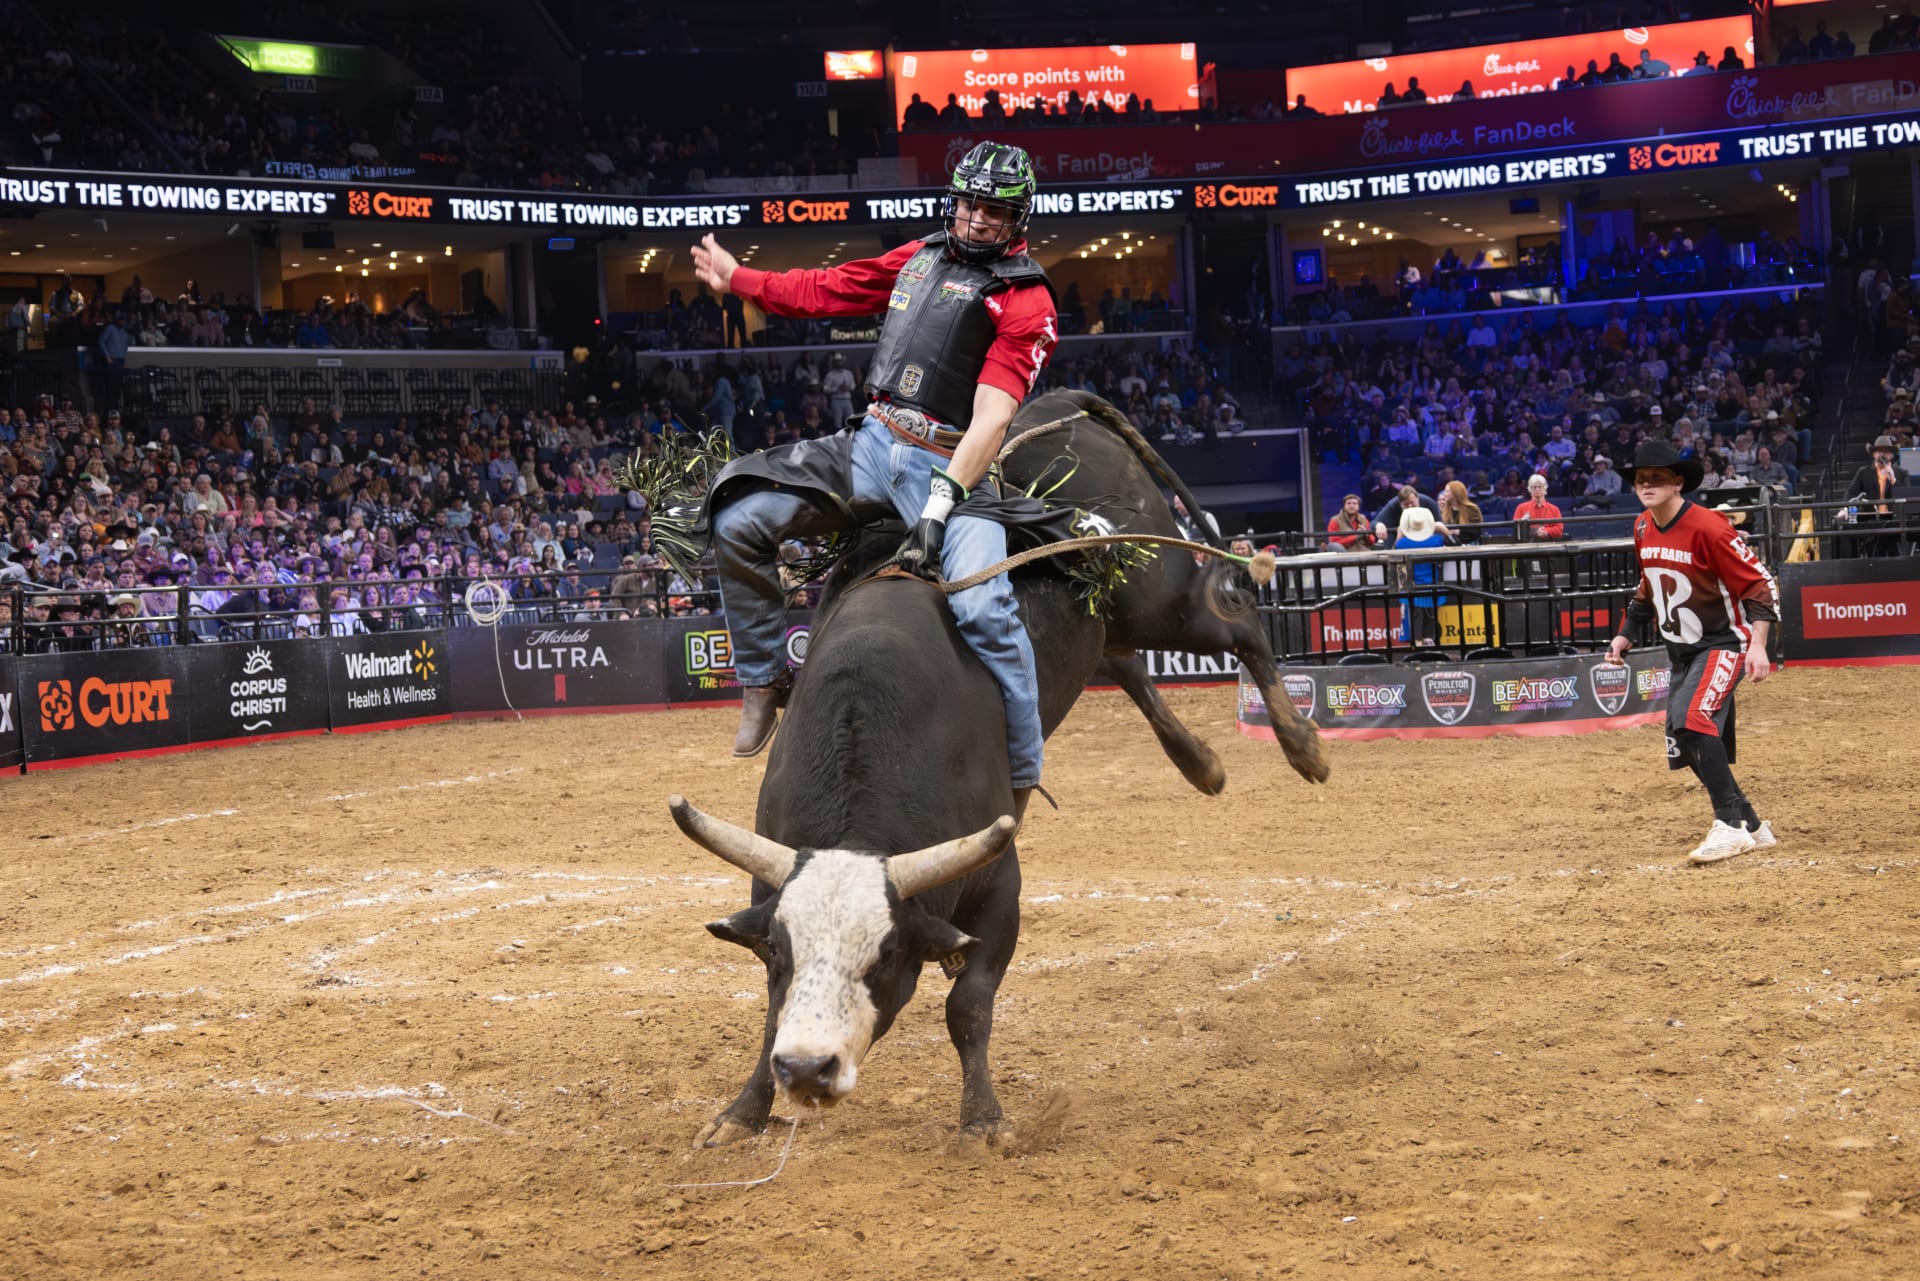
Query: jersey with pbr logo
[[1700, 582]]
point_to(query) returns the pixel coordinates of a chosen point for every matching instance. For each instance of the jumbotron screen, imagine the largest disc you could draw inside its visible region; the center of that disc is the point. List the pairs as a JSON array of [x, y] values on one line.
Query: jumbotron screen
[[1521, 66], [1165, 73]]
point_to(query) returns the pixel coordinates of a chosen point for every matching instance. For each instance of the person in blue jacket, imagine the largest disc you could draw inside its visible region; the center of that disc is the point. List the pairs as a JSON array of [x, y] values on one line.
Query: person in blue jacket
[[1419, 529]]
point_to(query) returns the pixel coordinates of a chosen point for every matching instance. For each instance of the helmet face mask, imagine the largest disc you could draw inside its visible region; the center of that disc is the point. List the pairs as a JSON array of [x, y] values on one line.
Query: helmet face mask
[[995, 178]]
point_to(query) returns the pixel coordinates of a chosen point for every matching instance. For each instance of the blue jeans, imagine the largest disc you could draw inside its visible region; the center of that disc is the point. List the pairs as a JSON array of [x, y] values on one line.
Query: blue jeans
[[887, 471]]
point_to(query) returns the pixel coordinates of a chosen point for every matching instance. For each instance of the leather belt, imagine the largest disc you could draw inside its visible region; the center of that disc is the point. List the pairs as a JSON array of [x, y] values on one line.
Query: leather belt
[[916, 428]]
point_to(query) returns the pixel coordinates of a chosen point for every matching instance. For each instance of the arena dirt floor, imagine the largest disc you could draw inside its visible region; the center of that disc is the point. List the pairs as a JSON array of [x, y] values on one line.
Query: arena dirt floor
[[439, 1003]]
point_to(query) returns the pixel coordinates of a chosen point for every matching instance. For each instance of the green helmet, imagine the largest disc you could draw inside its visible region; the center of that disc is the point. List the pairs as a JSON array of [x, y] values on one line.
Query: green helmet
[[992, 176]]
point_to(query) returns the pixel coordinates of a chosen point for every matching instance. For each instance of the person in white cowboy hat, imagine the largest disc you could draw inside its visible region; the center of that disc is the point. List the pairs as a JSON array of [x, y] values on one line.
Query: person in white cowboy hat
[[1419, 529]]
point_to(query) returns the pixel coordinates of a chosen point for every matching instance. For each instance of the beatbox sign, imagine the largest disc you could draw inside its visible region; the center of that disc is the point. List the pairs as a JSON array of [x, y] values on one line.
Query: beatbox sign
[[556, 667], [257, 689], [1560, 695], [696, 656], [100, 705], [387, 680], [1851, 611]]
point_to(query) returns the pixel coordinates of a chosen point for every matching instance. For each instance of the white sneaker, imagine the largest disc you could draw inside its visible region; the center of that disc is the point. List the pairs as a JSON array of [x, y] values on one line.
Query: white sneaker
[[1763, 837], [1724, 840]]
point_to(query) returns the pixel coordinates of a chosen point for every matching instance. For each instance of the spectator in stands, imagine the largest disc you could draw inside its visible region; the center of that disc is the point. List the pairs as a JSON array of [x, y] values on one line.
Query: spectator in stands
[[1417, 530], [1460, 516], [1702, 65], [1730, 61], [1300, 107], [1538, 518], [1650, 67], [1405, 498], [1414, 94], [1348, 528], [919, 115]]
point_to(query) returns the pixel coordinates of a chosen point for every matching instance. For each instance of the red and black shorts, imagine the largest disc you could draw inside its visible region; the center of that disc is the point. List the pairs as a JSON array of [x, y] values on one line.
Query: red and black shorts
[[1701, 699]]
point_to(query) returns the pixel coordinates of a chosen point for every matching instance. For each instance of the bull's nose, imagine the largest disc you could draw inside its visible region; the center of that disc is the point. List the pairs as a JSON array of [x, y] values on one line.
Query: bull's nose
[[807, 1078]]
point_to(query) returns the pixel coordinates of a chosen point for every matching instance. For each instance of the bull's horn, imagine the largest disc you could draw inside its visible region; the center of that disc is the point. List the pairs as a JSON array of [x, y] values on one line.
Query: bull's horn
[[925, 869], [766, 861]]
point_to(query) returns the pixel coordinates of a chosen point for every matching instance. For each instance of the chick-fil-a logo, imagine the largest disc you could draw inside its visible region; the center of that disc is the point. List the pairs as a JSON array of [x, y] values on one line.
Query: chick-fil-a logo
[[1744, 101]]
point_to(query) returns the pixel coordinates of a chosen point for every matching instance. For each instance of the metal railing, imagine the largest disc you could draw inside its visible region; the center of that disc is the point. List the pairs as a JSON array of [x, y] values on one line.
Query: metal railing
[[41, 622], [178, 391]]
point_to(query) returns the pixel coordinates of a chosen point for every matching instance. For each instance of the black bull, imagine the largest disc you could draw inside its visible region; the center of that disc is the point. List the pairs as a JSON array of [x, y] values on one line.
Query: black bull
[[893, 738]]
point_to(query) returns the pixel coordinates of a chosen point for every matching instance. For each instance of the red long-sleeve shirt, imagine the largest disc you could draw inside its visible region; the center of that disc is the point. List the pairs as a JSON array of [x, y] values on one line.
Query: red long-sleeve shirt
[[1024, 317], [1701, 581]]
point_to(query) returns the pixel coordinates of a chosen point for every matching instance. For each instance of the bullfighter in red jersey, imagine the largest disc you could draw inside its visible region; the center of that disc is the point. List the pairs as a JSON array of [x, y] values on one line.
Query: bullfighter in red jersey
[[1714, 603], [969, 321]]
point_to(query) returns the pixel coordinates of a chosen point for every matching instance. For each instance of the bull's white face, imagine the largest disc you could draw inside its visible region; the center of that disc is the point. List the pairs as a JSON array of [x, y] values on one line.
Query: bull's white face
[[830, 927]]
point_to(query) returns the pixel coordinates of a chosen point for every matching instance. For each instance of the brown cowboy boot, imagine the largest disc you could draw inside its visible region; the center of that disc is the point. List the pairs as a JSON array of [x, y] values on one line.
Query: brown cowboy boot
[[759, 715]]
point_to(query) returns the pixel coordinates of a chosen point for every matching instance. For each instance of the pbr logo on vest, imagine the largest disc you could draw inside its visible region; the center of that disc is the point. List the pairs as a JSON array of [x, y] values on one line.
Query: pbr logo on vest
[[1611, 687], [1448, 695]]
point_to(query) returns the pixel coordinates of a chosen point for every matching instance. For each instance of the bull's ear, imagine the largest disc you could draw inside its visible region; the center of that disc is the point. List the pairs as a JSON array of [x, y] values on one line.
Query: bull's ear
[[939, 940], [748, 927]]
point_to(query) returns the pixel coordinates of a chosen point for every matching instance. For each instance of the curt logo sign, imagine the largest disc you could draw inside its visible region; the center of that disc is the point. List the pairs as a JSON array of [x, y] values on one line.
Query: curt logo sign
[[102, 703], [384, 204], [1673, 156], [1227, 195], [805, 210]]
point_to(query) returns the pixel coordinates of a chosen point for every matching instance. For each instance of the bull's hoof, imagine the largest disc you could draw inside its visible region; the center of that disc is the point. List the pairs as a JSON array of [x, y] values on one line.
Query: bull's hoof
[[723, 1130], [1206, 773], [1301, 742], [983, 1132]]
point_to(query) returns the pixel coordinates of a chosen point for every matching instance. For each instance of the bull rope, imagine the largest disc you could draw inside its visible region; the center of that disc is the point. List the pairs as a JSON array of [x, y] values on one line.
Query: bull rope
[[754, 1183], [1261, 565]]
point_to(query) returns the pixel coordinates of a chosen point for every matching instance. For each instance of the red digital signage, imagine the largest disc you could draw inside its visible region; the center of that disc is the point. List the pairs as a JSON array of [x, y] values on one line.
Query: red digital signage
[[1165, 74], [1522, 66], [854, 64]]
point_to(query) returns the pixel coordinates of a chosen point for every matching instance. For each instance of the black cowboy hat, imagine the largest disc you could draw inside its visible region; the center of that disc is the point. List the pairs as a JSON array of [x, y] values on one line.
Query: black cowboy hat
[[1658, 453]]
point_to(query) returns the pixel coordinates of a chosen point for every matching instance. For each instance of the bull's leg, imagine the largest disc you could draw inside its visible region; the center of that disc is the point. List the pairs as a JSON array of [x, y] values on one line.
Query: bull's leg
[[1196, 761], [1297, 736], [1212, 614], [747, 1114], [970, 1007]]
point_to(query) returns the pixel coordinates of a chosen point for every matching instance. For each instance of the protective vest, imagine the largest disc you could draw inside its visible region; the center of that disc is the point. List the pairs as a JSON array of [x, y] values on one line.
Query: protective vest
[[937, 331]]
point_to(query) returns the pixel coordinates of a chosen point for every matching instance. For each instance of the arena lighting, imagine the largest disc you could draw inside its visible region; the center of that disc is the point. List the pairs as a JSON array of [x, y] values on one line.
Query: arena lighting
[[1325, 232], [366, 262], [365, 272], [379, 245], [449, 251], [1336, 224], [339, 266], [391, 253], [419, 257], [1126, 235]]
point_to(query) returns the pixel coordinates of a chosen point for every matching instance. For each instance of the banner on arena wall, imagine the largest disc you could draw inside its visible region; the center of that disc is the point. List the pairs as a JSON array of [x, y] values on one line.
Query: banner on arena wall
[[90, 706], [255, 690], [551, 668], [388, 680], [11, 753], [1560, 695], [1168, 75], [1851, 611], [696, 655], [1515, 67], [1653, 110]]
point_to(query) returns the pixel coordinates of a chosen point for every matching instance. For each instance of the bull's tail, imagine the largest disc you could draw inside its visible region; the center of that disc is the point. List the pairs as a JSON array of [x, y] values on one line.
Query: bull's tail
[[1107, 416]]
